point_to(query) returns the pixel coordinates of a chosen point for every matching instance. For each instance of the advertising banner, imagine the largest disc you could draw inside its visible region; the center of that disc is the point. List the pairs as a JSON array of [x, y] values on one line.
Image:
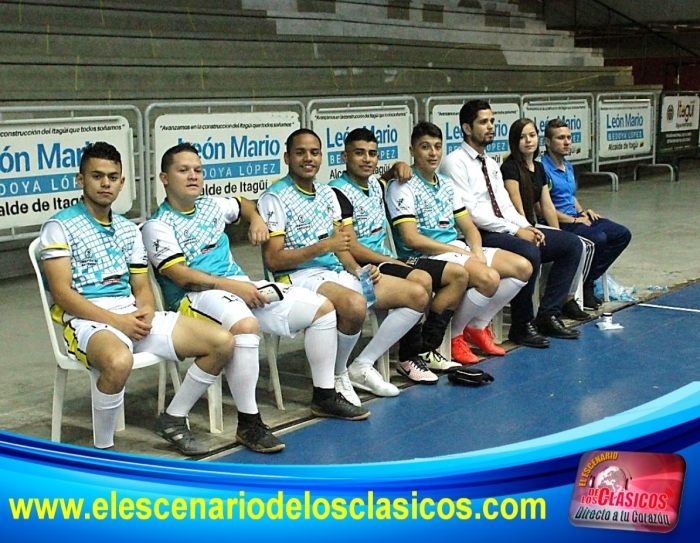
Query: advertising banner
[[679, 123], [447, 118], [624, 128], [575, 113], [39, 160], [391, 125], [242, 153]]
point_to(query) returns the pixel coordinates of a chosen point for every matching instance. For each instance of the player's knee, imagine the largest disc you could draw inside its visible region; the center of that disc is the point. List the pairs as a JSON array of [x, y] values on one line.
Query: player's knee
[[249, 325], [416, 297], [353, 310], [117, 368], [455, 275], [423, 279], [222, 343]]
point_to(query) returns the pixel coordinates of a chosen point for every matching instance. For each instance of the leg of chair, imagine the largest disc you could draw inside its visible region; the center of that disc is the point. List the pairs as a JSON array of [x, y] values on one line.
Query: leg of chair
[[497, 326], [383, 365], [606, 293], [272, 344], [162, 382], [174, 375], [216, 412], [59, 392], [445, 348]]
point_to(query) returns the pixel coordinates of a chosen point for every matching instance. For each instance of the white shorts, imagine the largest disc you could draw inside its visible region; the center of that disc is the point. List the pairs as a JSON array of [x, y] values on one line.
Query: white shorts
[[313, 278], [274, 318], [77, 334], [461, 259]]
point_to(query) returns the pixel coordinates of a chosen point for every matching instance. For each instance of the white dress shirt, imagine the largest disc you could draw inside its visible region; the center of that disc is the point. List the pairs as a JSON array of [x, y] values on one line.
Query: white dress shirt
[[464, 168]]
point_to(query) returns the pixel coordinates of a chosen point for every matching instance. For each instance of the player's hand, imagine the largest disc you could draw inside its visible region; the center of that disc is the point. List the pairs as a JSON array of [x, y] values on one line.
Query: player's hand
[[401, 172], [249, 293], [374, 274], [145, 314], [132, 326], [339, 240], [479, 255], [258, 233]]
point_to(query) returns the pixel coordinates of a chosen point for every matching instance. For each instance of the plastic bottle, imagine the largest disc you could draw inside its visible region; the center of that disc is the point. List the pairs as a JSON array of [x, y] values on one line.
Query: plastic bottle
[[363, 274]]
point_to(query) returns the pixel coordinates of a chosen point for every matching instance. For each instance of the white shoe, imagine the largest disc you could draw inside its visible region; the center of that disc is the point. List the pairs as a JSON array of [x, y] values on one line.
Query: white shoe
[[437, 362], [344, 386], [365, 377]]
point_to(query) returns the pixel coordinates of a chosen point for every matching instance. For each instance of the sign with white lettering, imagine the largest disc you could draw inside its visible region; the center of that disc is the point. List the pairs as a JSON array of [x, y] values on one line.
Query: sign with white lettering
[[391, 125], [241, 153], [39, 160], [447, 118], [624, 128], [679, 123], [577, 116]]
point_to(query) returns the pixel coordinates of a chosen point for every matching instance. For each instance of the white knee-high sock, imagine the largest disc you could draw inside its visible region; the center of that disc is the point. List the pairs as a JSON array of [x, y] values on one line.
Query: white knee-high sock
[[105, 410], [345, 346], [321, 344], [195, 383], [472, 303], [507, 288], [393, 328], [242, 372]]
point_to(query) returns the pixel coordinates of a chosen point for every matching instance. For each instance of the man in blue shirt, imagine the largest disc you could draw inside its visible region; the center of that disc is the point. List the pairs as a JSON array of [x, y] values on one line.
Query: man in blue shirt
[[610, 238]]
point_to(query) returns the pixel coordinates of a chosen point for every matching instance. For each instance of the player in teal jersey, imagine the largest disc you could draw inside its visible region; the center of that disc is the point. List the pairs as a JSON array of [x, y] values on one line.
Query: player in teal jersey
[[96, 267], [426, 213]]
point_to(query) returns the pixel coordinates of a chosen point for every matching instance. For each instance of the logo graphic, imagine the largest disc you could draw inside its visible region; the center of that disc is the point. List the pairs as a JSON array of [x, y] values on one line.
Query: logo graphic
[[669, 113], [628, 491]]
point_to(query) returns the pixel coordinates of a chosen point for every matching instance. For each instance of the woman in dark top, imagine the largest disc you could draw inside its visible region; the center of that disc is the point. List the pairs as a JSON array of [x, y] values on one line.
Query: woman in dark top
[[526, 183]]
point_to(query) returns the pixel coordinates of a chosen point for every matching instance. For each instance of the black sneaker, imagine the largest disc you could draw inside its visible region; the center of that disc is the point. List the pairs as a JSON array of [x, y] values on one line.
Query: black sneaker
[[337, 407], [258, 437], [175, 430], [571, 310], [589, 299]]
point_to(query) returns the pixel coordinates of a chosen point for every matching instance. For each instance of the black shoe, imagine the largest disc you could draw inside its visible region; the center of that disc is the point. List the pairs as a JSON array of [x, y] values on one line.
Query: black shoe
[[553, 327], [528, 336], [571, 310], [337, 407], [175, 430], [589, 300], [258, 437]]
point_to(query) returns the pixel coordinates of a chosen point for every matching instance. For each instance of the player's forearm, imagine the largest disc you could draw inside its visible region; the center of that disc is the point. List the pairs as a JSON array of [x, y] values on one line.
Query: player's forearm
[[286, 259]]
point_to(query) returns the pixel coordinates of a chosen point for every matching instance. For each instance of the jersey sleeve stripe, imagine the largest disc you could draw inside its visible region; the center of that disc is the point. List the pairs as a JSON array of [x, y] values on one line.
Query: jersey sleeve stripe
[[175, 259]]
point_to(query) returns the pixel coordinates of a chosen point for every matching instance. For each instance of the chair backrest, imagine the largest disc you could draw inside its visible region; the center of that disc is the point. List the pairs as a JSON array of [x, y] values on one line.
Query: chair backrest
[[155, 287], [57, 344]]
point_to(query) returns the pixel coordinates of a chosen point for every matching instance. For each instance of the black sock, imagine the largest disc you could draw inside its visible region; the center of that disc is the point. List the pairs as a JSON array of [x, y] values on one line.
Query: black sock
[[411, 344], [434, 328], [321, 394], [248, 419]]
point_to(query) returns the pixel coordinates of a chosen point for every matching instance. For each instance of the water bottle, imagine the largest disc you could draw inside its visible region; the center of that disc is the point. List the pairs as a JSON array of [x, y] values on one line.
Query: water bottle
[[363, 274]]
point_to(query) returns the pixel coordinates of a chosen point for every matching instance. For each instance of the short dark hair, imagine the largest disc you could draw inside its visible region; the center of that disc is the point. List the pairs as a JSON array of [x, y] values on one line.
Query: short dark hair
[[169, 155], [470, 110], [101, 150], [360, 134], [300, 132], [552, 125], [424, 128]]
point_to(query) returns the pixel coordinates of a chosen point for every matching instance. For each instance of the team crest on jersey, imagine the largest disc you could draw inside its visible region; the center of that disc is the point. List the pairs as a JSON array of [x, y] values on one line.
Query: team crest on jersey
[[302, 223], [188, 239], [87, 260]]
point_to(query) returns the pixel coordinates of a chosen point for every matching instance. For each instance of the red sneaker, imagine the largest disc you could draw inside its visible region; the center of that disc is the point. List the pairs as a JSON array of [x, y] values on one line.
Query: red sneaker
[[462, 353], [483, 340]]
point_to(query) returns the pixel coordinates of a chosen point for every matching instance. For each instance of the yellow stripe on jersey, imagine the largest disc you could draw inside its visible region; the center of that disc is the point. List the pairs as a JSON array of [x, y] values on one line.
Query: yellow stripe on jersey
[[136, 269], [283, 279], [404, 219], [179, 260], [461, 212], [277, 233], [72, 345], [57, 246]]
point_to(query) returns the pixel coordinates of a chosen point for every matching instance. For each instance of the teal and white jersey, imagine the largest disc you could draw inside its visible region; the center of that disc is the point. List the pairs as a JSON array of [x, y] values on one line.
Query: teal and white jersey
[[196, 238], [433, 206], [302, 218], [102, 256], [366, 210]]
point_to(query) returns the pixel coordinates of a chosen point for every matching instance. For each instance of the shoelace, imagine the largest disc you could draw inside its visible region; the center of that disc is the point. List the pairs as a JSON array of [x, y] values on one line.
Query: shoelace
[[438, 357], [420, 364]]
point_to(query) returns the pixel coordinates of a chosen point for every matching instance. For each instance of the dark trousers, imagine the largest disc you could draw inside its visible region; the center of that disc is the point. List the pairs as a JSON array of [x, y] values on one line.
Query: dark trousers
[[610, 240], [562, 249]]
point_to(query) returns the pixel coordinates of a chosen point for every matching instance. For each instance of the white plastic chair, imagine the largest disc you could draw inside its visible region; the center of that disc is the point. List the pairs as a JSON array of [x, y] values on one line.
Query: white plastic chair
[[214, 397], [64, 363]]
